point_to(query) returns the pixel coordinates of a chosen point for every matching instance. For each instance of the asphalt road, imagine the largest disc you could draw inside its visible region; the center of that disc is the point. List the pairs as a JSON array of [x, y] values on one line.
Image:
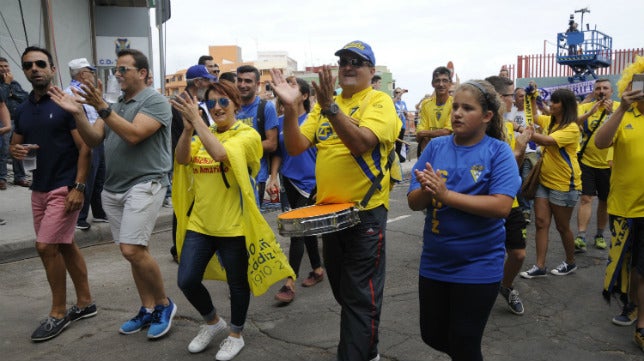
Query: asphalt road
[[566, 317]]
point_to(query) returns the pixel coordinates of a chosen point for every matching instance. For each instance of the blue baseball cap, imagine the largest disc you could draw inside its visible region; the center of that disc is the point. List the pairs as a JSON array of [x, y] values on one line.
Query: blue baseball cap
[[199, 71], [360, 48]]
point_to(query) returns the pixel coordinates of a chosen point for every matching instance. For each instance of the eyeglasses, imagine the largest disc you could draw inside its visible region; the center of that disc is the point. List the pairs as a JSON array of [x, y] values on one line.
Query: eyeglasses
[[124, 69], [223, 102], [27, 65], [354, 62]]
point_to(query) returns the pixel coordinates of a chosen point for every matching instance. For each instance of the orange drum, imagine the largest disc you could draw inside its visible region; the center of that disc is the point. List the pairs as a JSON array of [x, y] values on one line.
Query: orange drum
[[317, 219]]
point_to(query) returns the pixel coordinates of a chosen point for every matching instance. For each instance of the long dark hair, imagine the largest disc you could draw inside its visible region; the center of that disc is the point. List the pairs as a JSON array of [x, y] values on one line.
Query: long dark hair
[[568, 108]]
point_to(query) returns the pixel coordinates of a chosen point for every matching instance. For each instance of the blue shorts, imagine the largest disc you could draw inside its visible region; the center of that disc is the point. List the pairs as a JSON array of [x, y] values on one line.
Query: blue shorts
[[558, 198]]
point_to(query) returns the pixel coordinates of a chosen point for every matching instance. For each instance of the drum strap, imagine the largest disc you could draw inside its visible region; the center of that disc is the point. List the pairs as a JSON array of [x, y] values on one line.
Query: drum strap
[[376, 182]]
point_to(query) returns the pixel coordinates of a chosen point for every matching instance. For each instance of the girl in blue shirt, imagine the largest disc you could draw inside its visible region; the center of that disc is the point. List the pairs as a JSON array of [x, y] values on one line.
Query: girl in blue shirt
[[466, 181]]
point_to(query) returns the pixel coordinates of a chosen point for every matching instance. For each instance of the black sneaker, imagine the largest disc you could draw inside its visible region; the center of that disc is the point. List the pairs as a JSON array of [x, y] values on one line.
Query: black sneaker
[[75, 313], [512, 297], [82, 225], [49, 328]]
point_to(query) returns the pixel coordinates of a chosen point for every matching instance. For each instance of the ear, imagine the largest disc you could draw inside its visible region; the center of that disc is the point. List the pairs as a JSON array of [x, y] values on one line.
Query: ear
[[488, 116]]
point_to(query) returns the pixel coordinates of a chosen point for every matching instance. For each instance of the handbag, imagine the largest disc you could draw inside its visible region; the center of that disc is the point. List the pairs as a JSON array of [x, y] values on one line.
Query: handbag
[[531, 183]]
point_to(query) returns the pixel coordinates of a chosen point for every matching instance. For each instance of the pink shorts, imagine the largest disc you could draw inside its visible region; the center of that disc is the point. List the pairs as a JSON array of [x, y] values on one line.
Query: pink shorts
[[51, 222]]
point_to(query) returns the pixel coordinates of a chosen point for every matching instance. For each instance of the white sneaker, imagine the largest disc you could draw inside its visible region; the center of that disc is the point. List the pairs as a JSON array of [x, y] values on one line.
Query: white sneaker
[[229, 348], [205, 336], [377, 358]]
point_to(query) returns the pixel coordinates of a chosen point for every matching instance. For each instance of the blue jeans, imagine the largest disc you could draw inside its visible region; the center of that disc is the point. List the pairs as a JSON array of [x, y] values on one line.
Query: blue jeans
[[4, 154], [94, 186], [197, 251]]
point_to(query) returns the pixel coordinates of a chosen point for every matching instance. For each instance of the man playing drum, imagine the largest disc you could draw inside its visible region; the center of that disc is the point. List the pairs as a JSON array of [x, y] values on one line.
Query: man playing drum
[[354, 133]]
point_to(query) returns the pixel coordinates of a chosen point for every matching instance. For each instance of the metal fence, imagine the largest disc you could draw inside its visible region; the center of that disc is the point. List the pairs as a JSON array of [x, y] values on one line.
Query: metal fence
[[545, 65]]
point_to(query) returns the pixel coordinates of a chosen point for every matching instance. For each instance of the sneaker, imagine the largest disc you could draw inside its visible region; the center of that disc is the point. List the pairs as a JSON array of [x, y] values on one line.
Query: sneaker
[[100, 220], [2, 222], [285, 294], [162, 319], [512, 297], [229, 348], [49, 328], [142, 319], [580, 245], [534, 272], [3, 184], [75, 313], [377, 358], [82, 225], [600, 242], [564, 269], [313, 279], [639, 338], [205, 336], [167, 202], [628, 315]]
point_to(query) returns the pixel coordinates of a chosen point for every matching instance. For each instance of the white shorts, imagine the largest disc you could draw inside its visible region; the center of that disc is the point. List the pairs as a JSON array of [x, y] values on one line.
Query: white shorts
[[132, 214]]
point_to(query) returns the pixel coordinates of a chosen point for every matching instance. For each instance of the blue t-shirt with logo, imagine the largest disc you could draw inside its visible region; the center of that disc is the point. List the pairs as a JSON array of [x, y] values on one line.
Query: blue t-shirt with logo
[[248, 115], [461, 247]]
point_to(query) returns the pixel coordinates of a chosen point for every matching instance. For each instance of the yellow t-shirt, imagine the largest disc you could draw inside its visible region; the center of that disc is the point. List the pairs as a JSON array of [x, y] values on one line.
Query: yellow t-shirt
[[340, 176], [510, 138], [560, 169], [217, 210], [594, 157], [626, 196], [434, 117]]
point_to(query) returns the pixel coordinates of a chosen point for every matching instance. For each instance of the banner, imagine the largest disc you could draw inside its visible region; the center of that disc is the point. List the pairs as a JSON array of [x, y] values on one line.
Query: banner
[[580, 89]]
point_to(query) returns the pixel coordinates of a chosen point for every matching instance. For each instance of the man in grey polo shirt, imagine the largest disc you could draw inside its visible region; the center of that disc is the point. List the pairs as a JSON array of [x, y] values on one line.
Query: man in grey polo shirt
[[136, 131]]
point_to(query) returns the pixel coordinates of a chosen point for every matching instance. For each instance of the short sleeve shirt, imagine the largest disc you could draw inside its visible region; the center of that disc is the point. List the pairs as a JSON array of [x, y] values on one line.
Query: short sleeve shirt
[[128, 165], [341, 176], [46, 124]]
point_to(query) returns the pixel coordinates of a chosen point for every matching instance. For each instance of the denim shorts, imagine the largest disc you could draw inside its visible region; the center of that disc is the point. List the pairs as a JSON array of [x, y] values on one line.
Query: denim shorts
[[558, 198]]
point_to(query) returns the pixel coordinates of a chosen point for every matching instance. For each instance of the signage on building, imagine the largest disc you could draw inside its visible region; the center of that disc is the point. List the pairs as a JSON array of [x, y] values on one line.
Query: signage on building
[[108, 46]]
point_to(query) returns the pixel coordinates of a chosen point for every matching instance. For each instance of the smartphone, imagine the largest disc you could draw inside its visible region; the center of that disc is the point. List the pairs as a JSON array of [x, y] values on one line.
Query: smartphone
[[638, 82]]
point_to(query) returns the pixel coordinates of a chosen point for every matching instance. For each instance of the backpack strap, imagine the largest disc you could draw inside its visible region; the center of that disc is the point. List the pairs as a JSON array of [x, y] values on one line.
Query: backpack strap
[[261, 119]]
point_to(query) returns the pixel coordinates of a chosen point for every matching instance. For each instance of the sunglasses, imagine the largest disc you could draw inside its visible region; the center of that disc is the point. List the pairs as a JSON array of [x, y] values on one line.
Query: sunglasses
[[217, 71], [27, 65], [124, 69], [223, 102], [354, 62]]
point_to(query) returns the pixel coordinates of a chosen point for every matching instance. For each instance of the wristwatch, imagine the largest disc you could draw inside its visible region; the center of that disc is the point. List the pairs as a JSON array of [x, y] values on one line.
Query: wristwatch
[[79, 187], [333, 110], [105, 112]]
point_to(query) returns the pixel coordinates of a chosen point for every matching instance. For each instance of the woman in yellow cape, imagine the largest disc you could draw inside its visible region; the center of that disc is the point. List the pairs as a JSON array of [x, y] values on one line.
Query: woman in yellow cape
[[221, 233]]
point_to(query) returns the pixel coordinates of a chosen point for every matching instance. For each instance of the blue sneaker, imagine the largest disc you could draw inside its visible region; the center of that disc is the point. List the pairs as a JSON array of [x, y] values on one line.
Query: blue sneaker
[[142, 319], [162, 319]]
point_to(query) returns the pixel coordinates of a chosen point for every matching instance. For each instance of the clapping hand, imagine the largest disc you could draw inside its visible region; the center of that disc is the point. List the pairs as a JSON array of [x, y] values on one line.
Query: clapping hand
[[289, 94]]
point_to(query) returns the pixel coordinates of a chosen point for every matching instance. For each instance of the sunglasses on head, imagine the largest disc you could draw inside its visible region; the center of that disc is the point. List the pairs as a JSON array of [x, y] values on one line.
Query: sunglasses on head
[[223, 102], [27, 65], [354, 62]]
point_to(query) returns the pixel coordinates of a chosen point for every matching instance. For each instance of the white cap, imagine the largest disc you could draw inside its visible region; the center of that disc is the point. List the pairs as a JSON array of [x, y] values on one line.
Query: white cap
[[80, 64]]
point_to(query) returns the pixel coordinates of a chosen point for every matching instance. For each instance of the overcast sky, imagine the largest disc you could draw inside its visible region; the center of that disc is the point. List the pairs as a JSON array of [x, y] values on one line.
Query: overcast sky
[[410, 37]]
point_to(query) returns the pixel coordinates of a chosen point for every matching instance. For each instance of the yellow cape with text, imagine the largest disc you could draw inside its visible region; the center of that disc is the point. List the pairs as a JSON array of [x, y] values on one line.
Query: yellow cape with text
[[267, 264]]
